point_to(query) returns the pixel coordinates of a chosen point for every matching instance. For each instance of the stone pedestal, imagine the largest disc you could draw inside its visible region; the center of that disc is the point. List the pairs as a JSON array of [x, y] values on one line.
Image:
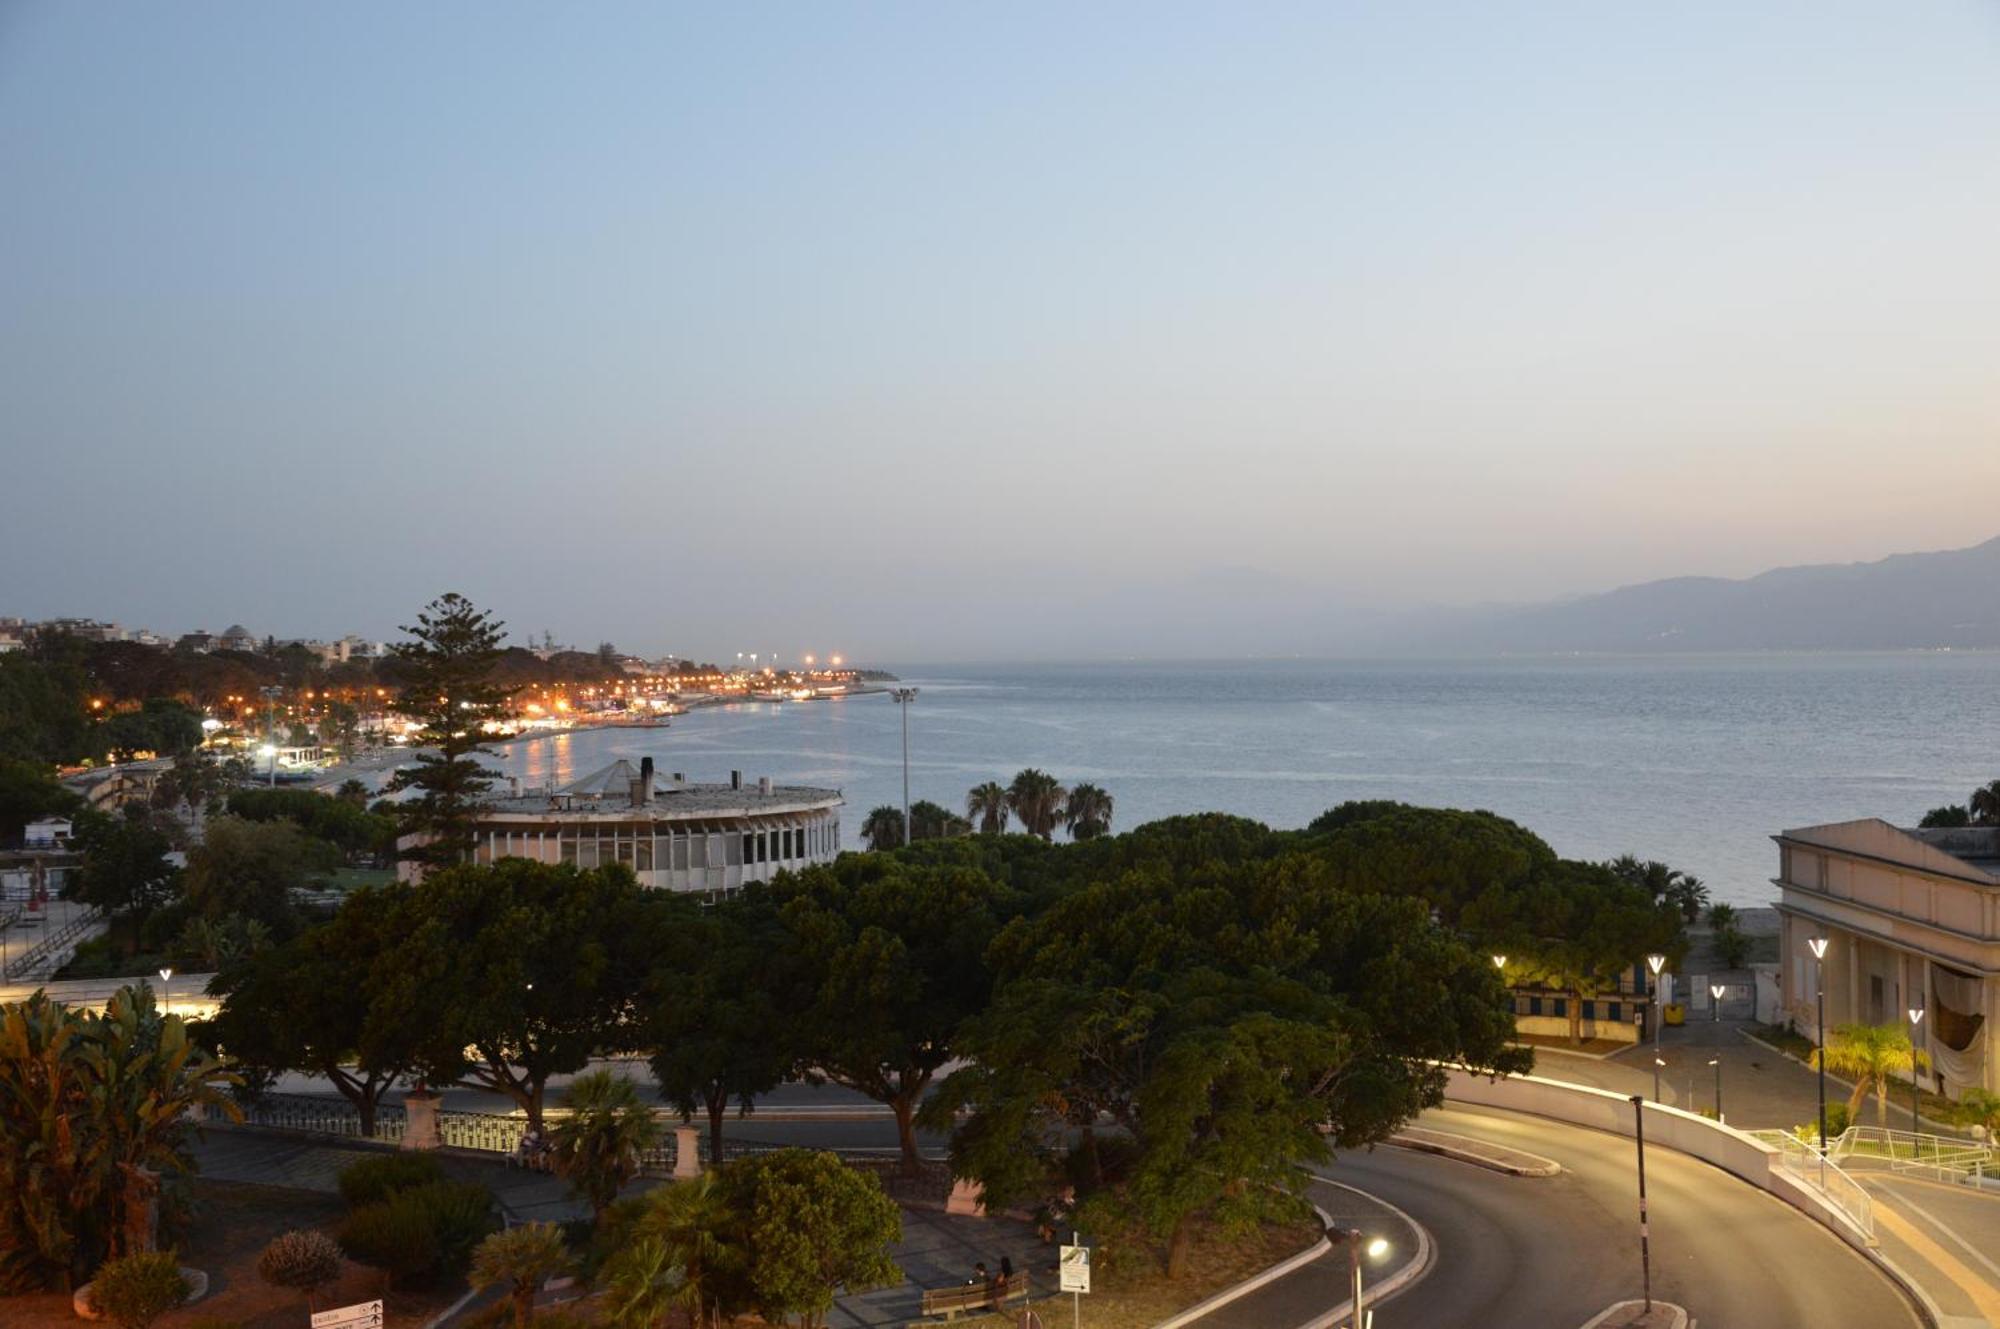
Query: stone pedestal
[[967, 1197], [420, 1112], [687, 1152]]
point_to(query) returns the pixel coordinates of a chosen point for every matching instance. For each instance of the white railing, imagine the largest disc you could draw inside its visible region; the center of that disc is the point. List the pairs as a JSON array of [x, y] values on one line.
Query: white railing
[[1939, 1157], [53, 951], [1804, 1164]]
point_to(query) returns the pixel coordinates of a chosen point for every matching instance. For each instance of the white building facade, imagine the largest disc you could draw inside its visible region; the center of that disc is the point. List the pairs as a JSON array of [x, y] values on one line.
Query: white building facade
[[674, 835], [1911, 919]]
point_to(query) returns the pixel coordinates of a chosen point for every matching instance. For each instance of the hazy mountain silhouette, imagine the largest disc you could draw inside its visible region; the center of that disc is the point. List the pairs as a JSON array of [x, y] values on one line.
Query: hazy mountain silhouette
[[1948, 598]]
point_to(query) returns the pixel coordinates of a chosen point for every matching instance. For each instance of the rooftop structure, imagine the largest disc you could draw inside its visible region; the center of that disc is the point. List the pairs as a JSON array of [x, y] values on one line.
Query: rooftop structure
[[672, 834]]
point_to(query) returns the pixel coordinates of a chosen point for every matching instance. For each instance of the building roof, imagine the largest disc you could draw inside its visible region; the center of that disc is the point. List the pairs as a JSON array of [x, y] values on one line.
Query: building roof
[[606, 794], [1968, 853]]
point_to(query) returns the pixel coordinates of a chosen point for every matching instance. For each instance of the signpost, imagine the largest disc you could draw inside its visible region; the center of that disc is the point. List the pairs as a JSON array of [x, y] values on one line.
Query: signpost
[[1073, 1270], [361, 1315]]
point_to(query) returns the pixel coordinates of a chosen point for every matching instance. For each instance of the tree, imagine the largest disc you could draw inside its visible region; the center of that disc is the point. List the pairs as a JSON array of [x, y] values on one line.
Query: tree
[[448, 690], [680, 1254], [95, 1132], [719, 1019], [320, 1003], [1871, 1054], [930, 821], [883, 829], [125, 867], [1984, 805], [1228, 1030], [890, 957], [251, 869], [1732, 947], [1951, 814], [987, 803], [30, 791], [601, 1144], [1688, 894], [1722, 915], [815, 1226], [520, 1259], [1037, 799], [520, 971], [1088, 812]]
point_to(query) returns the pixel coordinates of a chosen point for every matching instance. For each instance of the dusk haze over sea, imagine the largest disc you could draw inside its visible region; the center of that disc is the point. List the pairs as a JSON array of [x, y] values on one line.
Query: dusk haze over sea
[[861, 664]]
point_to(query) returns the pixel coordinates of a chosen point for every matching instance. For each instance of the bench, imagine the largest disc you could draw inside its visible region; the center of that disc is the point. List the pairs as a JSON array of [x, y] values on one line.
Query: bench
[[949, 1301]]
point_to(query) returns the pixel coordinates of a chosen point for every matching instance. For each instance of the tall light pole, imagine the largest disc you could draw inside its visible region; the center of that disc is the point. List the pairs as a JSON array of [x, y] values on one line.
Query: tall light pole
[[167, 991], [1645, 1247], [1376, 1249], [1659, 1064], [1818, 945], [903, 698], [1715, 992], [1717, 1063], [1656, 962], [271, 695], [1916, 1090]]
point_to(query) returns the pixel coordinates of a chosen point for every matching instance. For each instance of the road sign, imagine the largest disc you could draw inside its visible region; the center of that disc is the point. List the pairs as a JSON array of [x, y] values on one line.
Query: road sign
[[361, 1315], [1074, 1267]]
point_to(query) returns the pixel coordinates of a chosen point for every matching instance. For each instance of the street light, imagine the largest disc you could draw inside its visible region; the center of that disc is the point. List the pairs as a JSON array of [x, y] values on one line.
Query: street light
[[1715, 992], [1656, 962], [1375, 1250], [167, 991], [1499, 962], [1818, 945], [1916, 1091], [903, 697], [1659, 1064], [1717, 1063], [270, 753]]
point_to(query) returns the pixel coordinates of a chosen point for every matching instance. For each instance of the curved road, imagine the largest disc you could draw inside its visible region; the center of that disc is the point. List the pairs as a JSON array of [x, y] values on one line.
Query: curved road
[[1551, 1252]]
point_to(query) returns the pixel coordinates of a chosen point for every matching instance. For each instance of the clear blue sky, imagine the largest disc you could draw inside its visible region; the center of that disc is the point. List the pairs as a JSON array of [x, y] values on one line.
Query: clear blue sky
[[921, 330]]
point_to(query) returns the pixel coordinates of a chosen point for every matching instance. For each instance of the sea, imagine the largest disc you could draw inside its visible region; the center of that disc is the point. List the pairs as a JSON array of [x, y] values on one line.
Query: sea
[[1695, 761]]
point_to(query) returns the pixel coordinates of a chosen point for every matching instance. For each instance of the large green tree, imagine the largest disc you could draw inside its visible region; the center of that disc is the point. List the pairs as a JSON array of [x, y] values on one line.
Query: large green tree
[[446, 672], [250, 869], [125, 867], [889, 957], [29, 791], [1037, 800], [811, 1227], [521, 971]]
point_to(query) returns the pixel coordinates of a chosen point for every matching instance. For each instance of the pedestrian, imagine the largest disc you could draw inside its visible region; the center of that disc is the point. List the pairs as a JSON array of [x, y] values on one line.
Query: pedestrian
[[1006, 1276], [979, 1277]]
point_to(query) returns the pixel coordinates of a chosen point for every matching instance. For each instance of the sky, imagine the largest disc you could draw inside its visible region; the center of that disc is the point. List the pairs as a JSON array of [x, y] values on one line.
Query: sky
[[922, 331]]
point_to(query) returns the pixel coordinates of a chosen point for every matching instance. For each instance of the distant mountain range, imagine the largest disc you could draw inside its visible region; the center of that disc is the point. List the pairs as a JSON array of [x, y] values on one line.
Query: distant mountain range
[[1907, 601]]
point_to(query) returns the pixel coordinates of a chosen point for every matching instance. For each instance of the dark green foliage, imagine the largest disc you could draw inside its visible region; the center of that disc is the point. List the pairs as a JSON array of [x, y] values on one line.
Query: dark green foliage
[[29, 791], [448, 689], [1951, 814], [929, 821], [44, 714], [882, 828], [339, 821], [375, 1178], [135, 1290], [251, 868], [304, 1261], [418, 1232], [161, 726], [125, 866], [809, 1226]]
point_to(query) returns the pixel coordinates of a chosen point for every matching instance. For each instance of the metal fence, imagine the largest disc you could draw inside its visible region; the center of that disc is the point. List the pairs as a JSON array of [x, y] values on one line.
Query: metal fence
[[1804, 1164], [1936, 1157]]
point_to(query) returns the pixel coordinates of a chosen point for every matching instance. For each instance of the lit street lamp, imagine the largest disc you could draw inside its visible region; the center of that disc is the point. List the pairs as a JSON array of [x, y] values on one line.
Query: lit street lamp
[[1375, 1250], [167, 991], [1656, 962], [1818, 945], [1715, 992], [1916, 1090], [903, 697]]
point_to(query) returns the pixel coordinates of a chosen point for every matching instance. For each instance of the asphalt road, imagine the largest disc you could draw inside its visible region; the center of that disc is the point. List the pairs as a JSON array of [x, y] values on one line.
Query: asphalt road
[[1549, 1253]]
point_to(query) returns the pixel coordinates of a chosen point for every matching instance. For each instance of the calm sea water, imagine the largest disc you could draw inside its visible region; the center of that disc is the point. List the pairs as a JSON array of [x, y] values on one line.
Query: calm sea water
[[1696, 761]]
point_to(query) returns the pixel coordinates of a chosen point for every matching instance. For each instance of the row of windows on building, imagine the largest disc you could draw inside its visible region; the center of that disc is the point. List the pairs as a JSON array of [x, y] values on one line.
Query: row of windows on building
[[1611, 1011], [643, 848]]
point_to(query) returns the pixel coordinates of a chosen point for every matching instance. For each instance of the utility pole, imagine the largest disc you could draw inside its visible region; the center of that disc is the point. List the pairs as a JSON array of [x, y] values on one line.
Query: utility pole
[[1717, 1063], [1818, 945], [1645, 1248], [271, 695], [903, 697], [1916, 1089]]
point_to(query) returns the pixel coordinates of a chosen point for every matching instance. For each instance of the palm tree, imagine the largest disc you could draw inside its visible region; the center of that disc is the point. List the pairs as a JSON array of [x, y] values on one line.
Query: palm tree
[[1871, 1054], [643, 1285], [1037, 799], [1689, 894], [688, 1219], [987, 803], [1088, 812], [598, 1147], [1979, 1107], [520, 1259], [883, 829], [1721, 916], [930, 821], [1984, 805]]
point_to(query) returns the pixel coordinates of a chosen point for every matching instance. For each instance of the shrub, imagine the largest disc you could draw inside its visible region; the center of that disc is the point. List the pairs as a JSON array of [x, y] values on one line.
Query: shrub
[[519, 1260], [303, 1261], [1732, 946], [374, 1179], [135, 1290], [421, 1231]]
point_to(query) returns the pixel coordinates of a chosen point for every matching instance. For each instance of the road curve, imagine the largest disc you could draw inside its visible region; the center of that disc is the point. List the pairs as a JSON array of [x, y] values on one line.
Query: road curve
[[1551, 1252]]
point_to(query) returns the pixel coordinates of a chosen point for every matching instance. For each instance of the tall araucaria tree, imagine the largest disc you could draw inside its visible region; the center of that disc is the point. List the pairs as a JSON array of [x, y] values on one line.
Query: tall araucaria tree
[[446, 673]]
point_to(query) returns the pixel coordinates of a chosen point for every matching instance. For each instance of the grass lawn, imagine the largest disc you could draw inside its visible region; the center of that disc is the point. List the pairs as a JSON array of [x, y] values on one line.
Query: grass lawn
[[231, 1226], [1135, 1298]]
